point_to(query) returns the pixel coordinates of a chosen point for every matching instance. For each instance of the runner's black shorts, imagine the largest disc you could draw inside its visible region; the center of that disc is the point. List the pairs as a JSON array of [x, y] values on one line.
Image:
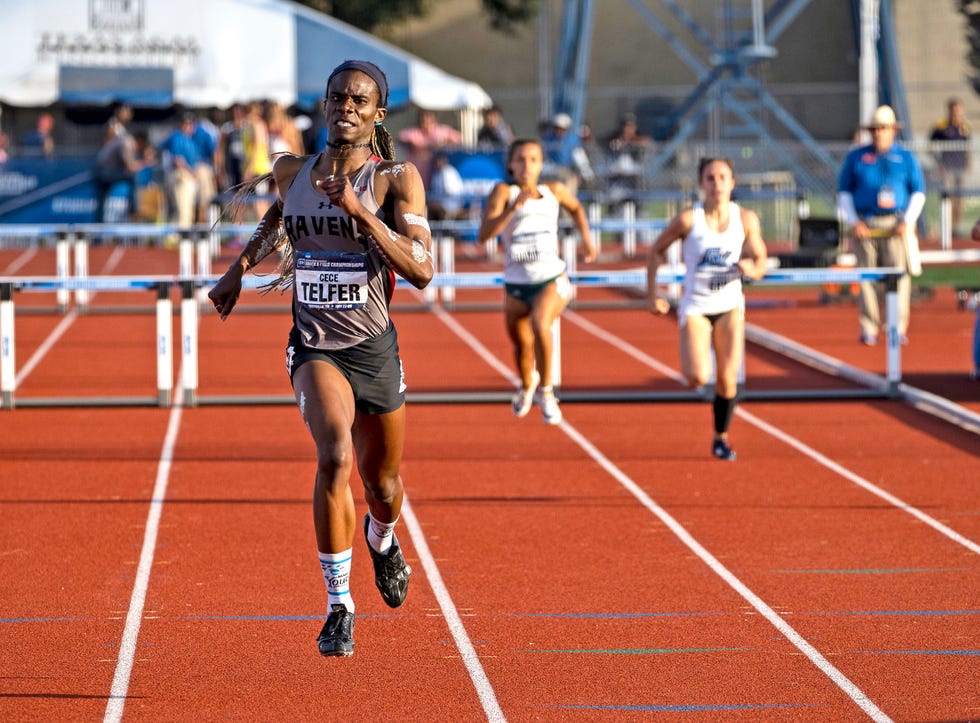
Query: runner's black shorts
[[372, 367]]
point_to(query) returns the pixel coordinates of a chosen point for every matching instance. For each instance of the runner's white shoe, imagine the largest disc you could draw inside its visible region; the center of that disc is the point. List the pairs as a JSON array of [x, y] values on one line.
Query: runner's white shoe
[[524, 398], [549, 407]]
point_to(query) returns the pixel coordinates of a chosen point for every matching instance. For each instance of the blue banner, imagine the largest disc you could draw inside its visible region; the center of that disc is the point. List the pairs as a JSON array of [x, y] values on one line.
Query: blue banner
[[38, 190]]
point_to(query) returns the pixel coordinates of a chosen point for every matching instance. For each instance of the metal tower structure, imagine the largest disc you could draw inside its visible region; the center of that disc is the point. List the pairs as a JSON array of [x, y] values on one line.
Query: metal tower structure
[[727, 96]]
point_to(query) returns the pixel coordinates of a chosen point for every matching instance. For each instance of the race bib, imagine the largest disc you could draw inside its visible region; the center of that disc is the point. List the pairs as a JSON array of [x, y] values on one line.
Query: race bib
[[336, 281], [526, 248]]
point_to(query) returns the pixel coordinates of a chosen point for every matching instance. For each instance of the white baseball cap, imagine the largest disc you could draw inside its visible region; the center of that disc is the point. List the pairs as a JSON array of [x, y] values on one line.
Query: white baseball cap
[[562, 120], [883, 117]]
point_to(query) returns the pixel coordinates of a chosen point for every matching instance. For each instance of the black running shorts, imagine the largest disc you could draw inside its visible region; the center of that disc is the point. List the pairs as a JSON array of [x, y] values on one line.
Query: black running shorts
[[372, 367]]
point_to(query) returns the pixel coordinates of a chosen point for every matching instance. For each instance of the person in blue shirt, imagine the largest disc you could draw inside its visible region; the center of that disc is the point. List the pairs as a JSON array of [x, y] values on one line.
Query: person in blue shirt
[[881, 192], [190, 175], [181, 159]]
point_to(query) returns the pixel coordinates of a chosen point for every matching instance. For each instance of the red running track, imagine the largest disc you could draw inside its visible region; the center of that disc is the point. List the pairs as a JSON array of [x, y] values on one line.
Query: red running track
[[606, 569]]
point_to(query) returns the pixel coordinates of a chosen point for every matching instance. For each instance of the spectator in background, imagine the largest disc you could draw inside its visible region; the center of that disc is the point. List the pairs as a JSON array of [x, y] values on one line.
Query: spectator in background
[[117, 161], [307, 134], [229, 161], [495, 134], [565, 160], [205, 137], [183, 157], [628, 149], [553, 134], [151, 199], [881, 192], [954, 164], [629, 141], [446, 196], [122, 114], [40, 140], [258, 162], [422, 142], [284, 136], [4, 145]]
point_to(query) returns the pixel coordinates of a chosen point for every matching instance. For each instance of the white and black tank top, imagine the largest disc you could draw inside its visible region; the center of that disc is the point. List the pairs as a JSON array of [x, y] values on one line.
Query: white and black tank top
[[712, 281]]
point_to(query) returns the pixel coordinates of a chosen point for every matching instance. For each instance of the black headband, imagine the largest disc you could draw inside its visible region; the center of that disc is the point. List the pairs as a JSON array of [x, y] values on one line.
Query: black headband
[[369, 69]]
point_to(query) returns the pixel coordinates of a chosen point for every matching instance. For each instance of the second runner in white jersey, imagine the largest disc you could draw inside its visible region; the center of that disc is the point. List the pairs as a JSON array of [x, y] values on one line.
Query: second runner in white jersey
[[712, 280], [530, 240]]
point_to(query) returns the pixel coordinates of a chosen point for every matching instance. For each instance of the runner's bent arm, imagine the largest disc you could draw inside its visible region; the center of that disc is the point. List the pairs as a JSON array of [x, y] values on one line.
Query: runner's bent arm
[[499, 211], [678, 228], [570, 203], [267, 238], [406, 248], [753, 261]]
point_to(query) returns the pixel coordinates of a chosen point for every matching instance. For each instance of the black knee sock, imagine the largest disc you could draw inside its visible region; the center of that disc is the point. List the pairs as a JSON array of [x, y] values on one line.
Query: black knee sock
[[723, 409]]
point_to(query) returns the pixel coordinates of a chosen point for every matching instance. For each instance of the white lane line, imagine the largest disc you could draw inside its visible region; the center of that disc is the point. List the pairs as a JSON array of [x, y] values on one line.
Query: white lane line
[[825, 666], [45, 347], [15, 265], [473, 343], [859, 481], [137, 601], [624, 347], [42, 350], [484, 689], [470, 658], [835, 675], [790, 440]]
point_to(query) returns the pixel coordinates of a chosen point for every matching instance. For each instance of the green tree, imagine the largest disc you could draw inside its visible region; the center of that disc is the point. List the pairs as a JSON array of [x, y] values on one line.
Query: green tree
[[503, 15]]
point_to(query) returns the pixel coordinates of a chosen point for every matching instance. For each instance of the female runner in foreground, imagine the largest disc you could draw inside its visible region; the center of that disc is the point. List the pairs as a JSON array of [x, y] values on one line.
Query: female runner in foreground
[[524, 214], [722, 243]]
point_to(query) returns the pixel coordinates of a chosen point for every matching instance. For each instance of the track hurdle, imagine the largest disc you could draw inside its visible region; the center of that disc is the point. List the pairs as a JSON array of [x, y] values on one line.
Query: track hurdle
[[62, 263], [7, 367], [163, 338], [667, 276], [189, 312], [870, 385]]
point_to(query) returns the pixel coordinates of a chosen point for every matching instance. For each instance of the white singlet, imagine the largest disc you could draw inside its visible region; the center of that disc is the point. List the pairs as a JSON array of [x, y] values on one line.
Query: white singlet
[[712, 281], [530, 240]]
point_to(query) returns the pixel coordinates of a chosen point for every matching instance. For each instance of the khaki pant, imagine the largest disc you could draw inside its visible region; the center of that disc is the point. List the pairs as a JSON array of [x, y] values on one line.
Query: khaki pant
[[875, 252], [183, 190], [192, 191], [206, 190]]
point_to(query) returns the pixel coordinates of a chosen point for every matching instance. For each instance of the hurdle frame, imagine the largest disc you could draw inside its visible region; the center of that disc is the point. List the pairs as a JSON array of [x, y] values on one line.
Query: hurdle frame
[[190, 309], [163, 337]]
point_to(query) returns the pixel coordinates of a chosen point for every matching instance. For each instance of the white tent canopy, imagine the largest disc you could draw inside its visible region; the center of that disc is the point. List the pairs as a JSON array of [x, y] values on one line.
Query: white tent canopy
[[199, 53]]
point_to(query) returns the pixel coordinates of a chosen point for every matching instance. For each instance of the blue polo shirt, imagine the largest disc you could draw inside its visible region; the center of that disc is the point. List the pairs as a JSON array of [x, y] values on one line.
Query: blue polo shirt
[[180, 144], [881, 185]]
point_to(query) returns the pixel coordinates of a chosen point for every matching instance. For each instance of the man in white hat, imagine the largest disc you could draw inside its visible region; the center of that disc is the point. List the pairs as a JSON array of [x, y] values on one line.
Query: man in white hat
[[565, 159], [881, 192]]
